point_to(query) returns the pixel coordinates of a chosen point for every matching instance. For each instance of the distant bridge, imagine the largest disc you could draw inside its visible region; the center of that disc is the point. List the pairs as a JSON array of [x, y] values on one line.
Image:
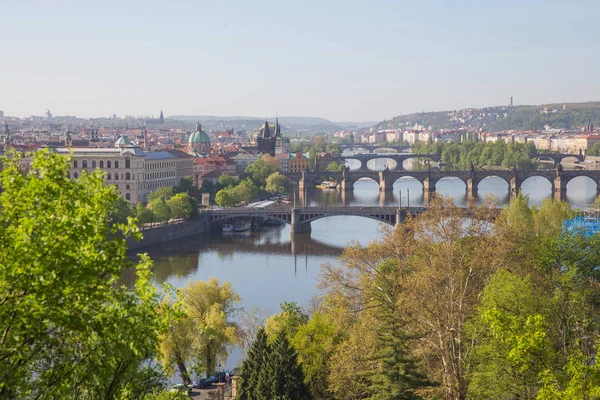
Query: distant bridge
[[399, 158], [299, 219], [558, 178]]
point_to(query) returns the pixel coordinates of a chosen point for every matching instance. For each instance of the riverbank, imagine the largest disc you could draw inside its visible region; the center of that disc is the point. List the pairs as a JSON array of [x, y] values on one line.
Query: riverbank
[[173, 231]]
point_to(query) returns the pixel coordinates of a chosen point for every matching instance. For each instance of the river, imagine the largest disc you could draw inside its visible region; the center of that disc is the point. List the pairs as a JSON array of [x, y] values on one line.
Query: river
[[267, 267]]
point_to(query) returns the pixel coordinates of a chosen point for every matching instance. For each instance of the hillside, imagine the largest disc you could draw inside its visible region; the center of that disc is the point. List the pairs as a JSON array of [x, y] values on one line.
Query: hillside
[[524, 117]]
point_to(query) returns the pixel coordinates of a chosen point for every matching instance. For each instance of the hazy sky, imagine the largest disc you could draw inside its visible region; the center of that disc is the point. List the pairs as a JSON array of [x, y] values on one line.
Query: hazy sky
[[342, 60]]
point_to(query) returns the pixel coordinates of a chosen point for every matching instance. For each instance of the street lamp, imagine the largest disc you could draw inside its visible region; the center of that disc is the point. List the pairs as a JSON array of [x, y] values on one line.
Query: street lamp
[[400, 199], [407, 198]]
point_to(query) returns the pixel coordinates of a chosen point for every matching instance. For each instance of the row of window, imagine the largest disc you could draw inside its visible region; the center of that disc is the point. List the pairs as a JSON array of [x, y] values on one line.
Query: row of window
[[84, 164], [164, 164], [126, 176], [156, 175]]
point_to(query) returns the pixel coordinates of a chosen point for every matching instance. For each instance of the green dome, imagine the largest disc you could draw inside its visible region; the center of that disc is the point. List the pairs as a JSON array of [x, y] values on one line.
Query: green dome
[[199, 136]]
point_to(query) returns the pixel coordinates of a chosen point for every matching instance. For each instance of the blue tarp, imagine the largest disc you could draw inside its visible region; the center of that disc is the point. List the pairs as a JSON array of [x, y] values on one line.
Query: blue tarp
[[584, 225]]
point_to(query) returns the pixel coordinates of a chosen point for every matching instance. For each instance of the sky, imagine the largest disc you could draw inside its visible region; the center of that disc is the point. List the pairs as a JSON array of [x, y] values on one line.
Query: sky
[[341, 60]]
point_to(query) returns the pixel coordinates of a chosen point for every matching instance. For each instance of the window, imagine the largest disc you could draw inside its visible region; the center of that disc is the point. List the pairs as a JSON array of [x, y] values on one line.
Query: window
[[116, 164], [128, 176], [94, 164], [127, 162], [108, 164], [84, 164], [101, 164], [126, 187], [109, 177], [75, 164], [127, 196], [116, 176], [75, 175]]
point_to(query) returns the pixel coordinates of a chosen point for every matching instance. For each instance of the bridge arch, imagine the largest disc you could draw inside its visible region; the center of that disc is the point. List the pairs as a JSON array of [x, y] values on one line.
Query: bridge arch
[[570, 182], [241, 214], [408, 162], [537, 187], [570, 159], [384, 150], [390, 164], [389, 221]]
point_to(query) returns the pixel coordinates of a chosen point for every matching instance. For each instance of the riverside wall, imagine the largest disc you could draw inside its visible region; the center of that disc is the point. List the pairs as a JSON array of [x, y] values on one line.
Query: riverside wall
[[172, 231]]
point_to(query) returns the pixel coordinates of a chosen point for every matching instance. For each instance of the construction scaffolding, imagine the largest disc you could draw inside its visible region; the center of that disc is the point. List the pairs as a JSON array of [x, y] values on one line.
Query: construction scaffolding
[[586, 222]]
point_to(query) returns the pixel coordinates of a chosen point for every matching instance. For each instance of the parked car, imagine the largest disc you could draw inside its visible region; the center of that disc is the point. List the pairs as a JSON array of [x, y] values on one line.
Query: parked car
[[200, 384], [181, 388], [217, 377]]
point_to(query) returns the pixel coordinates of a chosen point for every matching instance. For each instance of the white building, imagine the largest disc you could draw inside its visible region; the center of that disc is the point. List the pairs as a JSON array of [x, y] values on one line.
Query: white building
[[134, 172]]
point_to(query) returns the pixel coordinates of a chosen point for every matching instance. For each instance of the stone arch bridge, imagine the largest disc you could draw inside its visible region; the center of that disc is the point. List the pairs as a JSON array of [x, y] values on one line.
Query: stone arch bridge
[[399, 158], [300, 218], [559, 178]]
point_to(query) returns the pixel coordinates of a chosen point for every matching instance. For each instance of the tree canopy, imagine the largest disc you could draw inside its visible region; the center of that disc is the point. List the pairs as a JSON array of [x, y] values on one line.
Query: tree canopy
[[68, 329]]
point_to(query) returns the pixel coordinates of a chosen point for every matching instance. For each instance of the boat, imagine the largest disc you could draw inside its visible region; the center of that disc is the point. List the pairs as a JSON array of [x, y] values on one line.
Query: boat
[[242, 226], [228, 228]]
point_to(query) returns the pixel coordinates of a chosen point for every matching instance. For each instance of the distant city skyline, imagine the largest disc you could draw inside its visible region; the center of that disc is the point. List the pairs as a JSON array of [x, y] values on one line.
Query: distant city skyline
[[339, 60]]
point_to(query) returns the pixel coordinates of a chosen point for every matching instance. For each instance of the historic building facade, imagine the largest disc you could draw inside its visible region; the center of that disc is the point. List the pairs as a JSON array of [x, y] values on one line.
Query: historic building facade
[[134, 172]]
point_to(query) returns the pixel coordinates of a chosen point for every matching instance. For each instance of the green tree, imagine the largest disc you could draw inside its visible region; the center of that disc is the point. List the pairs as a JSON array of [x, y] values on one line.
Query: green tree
[[69, 330], [181, 205], [226, 198], [120, 211], [254, 362], [246, 191], [227, 180], [334, 166], [164, 193], [315, 342], [512, 343], [277, 183], [286, 374], [160, 209], [260, 169], [144, 214], [289, 320], [204, 336]]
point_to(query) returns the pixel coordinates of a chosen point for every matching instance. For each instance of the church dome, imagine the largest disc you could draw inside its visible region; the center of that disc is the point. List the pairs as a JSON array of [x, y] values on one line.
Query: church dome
[[199, 136]]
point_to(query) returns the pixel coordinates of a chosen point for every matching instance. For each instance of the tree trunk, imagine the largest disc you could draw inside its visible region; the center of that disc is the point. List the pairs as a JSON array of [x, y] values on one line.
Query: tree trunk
[[183, 370]]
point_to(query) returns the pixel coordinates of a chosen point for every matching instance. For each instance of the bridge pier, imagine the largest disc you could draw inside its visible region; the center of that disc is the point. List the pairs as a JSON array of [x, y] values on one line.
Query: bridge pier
[[385, 185], [471, 189], [346, 184], [559, 189], [297, 226], [514, 187], [428, 189]]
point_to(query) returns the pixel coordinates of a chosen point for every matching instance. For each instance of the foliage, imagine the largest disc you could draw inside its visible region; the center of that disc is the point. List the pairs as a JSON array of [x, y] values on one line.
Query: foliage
[[182, 205], [288, 320], [160, 209], [68, 329], [227, 180], [204, 336], [120, 211], [244, 192], [284, 372], [277, 183], [164, 193], [144, 214], [492, 154], [260, 169], [334, 166], [254, 362]]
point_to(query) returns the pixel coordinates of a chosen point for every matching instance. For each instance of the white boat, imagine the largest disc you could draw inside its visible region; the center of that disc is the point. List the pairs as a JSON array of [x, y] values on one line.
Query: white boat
[[228, 228], [242, 226]]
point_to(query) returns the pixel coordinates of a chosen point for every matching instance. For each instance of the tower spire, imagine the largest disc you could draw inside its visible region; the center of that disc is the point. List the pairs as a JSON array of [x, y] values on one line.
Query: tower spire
[[162, 117]]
